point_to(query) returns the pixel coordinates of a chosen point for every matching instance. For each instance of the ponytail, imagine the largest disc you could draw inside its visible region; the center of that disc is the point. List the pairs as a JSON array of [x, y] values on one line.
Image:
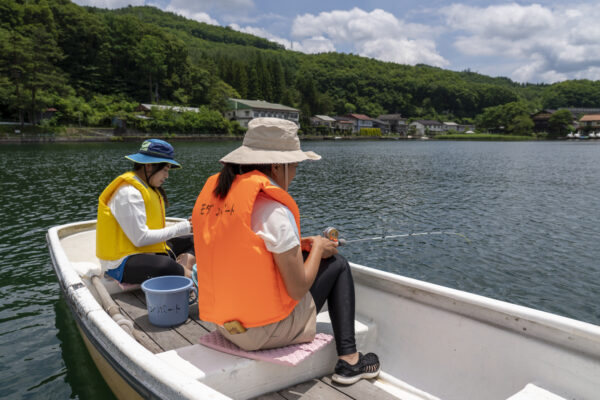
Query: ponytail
[[230, 171]]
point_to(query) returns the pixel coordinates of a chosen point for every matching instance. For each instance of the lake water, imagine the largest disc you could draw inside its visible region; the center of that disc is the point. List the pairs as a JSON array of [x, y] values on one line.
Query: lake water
[[528, 215]]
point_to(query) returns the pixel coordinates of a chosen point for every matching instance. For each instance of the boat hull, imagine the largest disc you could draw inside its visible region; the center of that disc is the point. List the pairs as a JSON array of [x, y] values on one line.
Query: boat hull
[[444, 342]]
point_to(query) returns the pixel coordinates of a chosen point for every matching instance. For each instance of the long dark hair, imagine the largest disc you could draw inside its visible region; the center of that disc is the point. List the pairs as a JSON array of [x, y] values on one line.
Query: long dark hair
[[155, 169], [229, 172]]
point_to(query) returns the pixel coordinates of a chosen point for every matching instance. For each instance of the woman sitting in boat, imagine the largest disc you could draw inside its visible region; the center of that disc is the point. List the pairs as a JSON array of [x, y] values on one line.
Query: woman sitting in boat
[[131, 236], [262, 283]]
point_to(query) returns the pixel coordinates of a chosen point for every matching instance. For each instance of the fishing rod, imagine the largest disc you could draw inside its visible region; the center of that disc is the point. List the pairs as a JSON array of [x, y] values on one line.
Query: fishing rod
[[332, 233]]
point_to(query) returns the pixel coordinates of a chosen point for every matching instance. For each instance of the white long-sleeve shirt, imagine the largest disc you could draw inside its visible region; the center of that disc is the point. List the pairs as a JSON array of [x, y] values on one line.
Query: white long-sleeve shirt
[[127, 206]]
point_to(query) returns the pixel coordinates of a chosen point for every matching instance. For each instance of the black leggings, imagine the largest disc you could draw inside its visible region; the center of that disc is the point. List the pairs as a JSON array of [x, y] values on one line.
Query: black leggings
[[140, 267], [335, 285]]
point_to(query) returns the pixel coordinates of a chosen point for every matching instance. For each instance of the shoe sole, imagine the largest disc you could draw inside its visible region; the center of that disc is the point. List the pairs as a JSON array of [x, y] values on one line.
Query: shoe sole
[[349, 380]]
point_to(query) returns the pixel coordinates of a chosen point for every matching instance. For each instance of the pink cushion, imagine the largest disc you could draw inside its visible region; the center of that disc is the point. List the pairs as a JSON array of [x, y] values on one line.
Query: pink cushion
[[288, 355]]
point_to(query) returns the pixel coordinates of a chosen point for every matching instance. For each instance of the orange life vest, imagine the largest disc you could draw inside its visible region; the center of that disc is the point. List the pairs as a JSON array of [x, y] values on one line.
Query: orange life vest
[[237, 276]]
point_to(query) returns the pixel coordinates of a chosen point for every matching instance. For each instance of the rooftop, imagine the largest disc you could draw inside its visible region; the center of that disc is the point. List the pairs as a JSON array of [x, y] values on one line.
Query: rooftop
[[358, 116], [325, 118], [261, 104], [590, 117], [390, 116]]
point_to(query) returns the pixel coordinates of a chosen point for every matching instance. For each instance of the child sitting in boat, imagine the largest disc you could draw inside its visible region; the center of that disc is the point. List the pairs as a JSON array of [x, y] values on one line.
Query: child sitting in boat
[[262, 283], [131, 236]]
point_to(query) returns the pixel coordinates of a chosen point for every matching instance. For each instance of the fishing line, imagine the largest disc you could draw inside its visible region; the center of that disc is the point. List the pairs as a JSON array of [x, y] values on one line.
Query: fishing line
[[403, 235], [333, 234]]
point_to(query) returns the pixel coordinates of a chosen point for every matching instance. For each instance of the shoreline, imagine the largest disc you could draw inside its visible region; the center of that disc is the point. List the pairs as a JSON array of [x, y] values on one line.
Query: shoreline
[[47, 139]]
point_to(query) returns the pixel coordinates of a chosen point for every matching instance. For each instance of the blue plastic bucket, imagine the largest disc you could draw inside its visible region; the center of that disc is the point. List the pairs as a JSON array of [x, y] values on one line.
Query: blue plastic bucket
[[168, 299]]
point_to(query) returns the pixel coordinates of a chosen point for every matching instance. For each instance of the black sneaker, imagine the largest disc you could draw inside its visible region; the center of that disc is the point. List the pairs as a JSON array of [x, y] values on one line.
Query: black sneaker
[[367, 367]]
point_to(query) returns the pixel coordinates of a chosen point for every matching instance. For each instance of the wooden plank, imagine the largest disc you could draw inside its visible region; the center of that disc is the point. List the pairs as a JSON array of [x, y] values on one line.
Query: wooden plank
[[363, 389], [141, 336], [312, 390], [166, 338]]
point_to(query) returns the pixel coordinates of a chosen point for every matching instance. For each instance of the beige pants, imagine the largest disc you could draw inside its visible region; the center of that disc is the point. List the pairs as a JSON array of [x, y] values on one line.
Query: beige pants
[[298, 327]]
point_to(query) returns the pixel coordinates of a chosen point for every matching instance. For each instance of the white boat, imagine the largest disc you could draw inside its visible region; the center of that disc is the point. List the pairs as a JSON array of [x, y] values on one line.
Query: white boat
[[434, 343]]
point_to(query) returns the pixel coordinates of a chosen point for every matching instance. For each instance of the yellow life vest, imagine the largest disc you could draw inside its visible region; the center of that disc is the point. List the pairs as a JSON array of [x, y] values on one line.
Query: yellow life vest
[[237, 276], [111, 242]]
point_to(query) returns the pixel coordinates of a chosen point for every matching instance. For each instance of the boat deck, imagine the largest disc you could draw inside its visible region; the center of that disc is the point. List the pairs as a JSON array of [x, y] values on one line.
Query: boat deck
[[158, 340]]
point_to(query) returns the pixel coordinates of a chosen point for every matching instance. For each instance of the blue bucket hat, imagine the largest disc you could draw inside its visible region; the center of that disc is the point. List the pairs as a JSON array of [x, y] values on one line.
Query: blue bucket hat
[[154, 151]]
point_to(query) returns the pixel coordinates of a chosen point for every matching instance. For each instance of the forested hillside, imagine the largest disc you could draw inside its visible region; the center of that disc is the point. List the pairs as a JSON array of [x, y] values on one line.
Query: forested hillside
[[92, 64]]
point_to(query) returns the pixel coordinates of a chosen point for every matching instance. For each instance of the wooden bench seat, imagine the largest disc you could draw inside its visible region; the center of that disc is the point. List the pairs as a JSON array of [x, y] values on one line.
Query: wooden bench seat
[[242, 378]]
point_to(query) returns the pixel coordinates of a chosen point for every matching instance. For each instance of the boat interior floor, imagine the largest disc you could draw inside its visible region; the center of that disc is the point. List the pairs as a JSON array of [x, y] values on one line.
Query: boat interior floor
[[163, 340]]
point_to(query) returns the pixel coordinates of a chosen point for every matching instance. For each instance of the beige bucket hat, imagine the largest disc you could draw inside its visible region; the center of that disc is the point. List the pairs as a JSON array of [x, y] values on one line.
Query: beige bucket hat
[[270, 141]]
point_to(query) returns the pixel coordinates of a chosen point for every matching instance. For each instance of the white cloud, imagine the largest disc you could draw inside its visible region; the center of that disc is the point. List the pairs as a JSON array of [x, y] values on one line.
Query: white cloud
[[196, 16], [377, 34], [549, 44], [109, 3], [259, 32], [205, 6], [316, 44]]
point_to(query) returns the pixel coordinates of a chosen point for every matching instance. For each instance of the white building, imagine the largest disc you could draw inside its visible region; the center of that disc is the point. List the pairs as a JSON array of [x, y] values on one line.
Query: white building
[[244, 110], [322, 120]]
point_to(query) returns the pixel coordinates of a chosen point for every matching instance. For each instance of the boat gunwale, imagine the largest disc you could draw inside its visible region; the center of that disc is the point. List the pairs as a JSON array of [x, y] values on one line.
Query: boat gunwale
[[563, 331], [103, 332]]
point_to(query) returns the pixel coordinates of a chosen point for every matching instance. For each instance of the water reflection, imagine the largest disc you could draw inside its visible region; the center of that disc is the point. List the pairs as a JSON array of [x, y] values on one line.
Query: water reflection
[[82, 376]]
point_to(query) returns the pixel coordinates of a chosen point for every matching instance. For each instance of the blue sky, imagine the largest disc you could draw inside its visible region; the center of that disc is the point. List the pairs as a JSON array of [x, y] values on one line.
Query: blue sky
[[543, 41]]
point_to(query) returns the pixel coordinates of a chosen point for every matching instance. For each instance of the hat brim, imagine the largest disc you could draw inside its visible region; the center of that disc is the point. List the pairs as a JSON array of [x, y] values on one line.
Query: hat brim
[[144, 159], [248, 155]]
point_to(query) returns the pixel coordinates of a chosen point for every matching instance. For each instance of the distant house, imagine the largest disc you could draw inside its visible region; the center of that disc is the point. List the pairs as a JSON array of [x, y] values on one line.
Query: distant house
[[359, 121], [344, 124], [541, 120], [450, 126], [383, 125], [589, 123], [323, 120], [396, 122], [244, 110], [424, 126], [146, 108]]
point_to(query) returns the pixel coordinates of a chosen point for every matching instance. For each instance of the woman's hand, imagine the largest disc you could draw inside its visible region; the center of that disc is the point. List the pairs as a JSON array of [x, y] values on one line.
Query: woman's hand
[[327, 247], [298, 275], [191, 226]]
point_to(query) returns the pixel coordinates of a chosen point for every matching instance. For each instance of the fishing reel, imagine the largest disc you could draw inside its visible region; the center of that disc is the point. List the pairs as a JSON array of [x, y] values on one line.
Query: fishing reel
[[333, 234]]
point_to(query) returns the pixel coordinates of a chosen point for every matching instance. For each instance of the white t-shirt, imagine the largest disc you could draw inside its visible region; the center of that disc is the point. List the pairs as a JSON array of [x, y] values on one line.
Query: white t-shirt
[[127, 206], [275, 224]]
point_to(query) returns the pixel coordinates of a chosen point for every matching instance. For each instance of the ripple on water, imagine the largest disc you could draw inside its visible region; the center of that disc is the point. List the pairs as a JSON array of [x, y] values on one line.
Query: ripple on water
[[527, 213]]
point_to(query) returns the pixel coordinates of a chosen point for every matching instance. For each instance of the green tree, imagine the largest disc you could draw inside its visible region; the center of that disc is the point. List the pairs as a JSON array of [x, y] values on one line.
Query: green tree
[[521, 125], [150, 54], [560, 123], [511, 118]]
